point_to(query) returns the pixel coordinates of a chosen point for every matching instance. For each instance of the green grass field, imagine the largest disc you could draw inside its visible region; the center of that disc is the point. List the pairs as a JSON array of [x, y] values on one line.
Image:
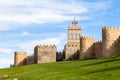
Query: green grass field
[[94, 69]]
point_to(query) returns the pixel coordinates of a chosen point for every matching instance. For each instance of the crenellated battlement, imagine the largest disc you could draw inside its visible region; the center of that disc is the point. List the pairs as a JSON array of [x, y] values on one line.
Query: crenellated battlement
[[98, 42], [45, 46], [20, 53], [87, 37], [111, 28]]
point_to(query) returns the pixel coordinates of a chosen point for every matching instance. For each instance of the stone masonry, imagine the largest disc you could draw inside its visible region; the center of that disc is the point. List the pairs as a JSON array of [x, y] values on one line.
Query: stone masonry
[[72, 48], [44, 54], [77, 47]]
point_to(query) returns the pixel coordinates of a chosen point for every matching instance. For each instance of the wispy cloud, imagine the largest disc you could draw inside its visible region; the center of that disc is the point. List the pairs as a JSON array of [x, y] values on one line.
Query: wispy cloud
[[4, 27], [6, 50], [58, 41], [25, 33], [30, 11], [26, 12]]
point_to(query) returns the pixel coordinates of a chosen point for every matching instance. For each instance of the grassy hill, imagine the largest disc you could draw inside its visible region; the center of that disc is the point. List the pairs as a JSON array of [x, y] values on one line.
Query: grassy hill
[[94, 69]]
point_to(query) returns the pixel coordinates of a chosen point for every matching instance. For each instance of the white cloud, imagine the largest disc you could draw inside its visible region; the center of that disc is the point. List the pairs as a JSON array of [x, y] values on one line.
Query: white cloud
[[26, 12], [4, 27], [25, 33], [29, 45], [5, 62], [6, 50], [45, 11]]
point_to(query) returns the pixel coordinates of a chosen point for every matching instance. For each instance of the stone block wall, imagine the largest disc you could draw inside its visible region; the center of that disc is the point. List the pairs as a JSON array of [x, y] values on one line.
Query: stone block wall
[[30, 59], [98, 49], [72, 51], [86, 47], [44, 54]]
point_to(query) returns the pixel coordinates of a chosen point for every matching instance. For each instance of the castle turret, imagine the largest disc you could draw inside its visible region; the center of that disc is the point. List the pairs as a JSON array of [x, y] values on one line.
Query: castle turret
[[86, 47], [44, 54], [72, 48], [20, 58], [109, 36]]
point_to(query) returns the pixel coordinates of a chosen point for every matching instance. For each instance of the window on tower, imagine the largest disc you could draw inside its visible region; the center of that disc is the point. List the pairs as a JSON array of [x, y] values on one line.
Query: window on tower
[[78, 36], [71, 36], [75, 36]]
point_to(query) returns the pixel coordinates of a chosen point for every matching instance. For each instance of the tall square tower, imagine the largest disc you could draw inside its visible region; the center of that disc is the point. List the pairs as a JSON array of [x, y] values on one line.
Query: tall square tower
[[72, 48]]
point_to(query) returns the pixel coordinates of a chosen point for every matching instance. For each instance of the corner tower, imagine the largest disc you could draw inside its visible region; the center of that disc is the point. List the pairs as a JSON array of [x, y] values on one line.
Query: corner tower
[[72, 48], [20, 58]]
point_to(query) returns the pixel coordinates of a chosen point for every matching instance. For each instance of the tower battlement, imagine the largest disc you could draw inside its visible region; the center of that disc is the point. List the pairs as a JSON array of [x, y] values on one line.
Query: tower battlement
[[87, 37], [98, 42], [110, 28], [20, 53], [45, 46]]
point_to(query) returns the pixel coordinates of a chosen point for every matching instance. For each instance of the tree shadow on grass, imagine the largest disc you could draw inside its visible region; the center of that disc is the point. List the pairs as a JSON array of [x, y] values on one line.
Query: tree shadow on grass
[[103, 70], [102, 62], [115, 56]]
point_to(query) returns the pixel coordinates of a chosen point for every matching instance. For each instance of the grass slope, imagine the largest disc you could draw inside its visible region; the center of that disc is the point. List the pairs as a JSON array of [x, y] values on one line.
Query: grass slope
[[94, 69]]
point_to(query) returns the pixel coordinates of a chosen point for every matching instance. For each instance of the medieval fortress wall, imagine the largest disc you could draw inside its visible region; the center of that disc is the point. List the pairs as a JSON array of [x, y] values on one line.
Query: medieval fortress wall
[[97, 49], [77, 47]]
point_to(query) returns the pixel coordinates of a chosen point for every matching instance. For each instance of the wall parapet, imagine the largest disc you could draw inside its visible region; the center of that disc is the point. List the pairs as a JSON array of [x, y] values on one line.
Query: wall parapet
[[87, 37], [110, 28], [45, 46]]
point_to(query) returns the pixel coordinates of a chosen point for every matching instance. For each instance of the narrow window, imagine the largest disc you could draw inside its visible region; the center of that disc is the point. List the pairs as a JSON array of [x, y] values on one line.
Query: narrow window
[[78, 36], [75, 36], [71, 36]]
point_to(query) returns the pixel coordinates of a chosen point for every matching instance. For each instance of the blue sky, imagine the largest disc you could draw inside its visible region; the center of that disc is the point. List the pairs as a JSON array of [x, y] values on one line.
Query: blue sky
[[26, 23]]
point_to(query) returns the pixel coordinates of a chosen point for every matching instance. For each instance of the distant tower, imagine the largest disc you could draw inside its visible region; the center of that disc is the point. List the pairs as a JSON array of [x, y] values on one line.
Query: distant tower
[[20, 58], [72, 47]]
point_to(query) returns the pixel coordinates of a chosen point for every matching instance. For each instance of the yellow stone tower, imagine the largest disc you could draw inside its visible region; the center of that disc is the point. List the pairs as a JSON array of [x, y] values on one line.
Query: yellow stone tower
[[72, 48]]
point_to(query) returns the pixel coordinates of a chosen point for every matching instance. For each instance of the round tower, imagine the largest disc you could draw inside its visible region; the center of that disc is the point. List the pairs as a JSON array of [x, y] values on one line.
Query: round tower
[[109, 36], [86, 47]]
